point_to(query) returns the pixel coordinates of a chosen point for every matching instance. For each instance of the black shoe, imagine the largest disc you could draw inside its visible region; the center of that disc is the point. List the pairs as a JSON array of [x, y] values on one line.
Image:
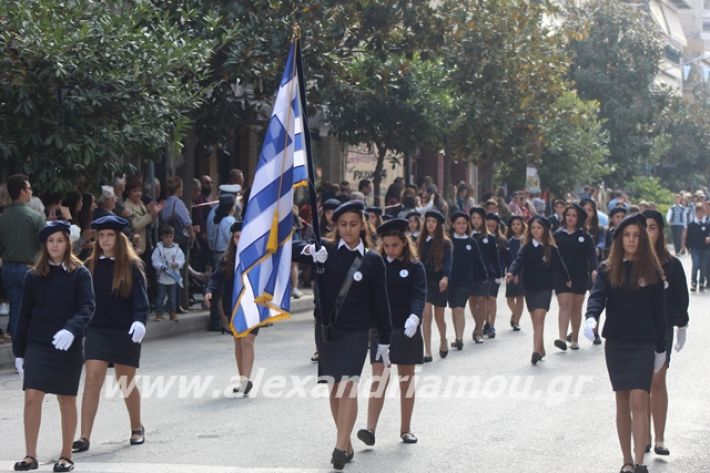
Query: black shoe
[[27, 465], [597, 339], [648, 448], [139, 433], [486, 327], [339, 459], [491, 332], [459, 345], [350, 456], [248, 388], [626, 470], [536, 357], [428, 359], [641, 469], [367, 436], [516, 328], [315, 357], [63, 464], [80, 445], [569, 339], [661, 451], [561, 344], [701, 288], [478, 339], [443, 354], [408, 437], [693, 288]]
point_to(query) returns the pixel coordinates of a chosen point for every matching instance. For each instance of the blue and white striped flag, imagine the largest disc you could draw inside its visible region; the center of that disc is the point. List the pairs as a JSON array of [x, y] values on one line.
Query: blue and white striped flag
[[262, 273]]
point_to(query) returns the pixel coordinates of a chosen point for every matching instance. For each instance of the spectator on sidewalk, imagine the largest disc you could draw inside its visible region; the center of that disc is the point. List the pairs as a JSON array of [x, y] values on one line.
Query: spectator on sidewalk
[[168, 259], [677, 218], [175, 213], [19, 227]]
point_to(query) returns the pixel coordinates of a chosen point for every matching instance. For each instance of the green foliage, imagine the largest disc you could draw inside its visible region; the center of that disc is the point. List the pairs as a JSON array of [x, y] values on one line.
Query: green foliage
[[650, 189], [574, 145], [616, 51], [85, 84]]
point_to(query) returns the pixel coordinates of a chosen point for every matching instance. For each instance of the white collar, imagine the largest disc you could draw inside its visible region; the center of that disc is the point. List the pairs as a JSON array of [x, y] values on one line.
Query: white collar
[[460, 237], [64, 266], [429, 238], [389, 260], [106, 257], [360, 246], [536, 243], [568, 232]]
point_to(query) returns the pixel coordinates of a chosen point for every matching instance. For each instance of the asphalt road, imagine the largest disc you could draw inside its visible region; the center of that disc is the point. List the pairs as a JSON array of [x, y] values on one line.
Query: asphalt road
[[483, 409]]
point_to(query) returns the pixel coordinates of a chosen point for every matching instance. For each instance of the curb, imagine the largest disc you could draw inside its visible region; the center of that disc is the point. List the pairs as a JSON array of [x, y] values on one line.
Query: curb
[[193, 321]]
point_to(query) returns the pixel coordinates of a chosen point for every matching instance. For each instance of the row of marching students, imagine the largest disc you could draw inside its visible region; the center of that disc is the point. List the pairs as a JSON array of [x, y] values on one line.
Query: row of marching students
[[78, 316]]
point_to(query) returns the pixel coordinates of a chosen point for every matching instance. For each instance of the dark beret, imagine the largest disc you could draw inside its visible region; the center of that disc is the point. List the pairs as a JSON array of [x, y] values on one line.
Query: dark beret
[[413, 213], [492, 216], [331, 204], [374, 210], [236, 227], [53, 227], [515, 217], [355, 206], [543, 221], [458, 214], [617, 210], [398, 225], [656, 215], [109, 222], [635, 219], [478, 210], [435, 214]]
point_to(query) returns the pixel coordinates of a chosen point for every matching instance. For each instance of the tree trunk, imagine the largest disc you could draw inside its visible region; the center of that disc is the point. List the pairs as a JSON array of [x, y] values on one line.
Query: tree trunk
[[187, 174], [486, 174], [377, 177]]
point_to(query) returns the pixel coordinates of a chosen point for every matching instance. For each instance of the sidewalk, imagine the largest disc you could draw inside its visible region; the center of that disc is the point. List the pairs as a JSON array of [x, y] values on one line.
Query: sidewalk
[[194, 320]]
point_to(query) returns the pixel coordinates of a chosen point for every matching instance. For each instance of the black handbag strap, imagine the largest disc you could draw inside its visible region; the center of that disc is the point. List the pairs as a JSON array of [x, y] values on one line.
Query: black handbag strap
[[345, 288]]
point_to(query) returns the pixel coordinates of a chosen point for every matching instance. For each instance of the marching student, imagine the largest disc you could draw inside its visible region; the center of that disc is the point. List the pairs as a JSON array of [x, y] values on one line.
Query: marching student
[[114, 335], [540, 262], [57, 305], [577, 250], [557, 218], [353, 299], [514, 291], [616, 215], [326, 216], [220, 290], [374, 218], [406, 288], [697, 235], [483, 291], [436, 252], [677, 217], [630, 286], [601, 236], [467, 270], [677, 302], [414, 226], [493, 225]]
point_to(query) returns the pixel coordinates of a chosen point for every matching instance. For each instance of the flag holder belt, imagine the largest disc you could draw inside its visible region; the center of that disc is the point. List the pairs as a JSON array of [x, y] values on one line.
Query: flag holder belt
[[328, 330]]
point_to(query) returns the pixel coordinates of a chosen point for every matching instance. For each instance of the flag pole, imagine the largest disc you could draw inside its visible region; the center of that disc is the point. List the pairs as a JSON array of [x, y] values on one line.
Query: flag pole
[[307, 137]]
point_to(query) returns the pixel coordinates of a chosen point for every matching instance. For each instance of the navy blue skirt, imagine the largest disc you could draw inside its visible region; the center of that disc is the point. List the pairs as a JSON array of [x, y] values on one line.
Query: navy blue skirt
[[538, 299], [433, 295], [630, 364], [458, 296], [53, 371], [403, 350], [343, 357], [114, 346], [514, 290]]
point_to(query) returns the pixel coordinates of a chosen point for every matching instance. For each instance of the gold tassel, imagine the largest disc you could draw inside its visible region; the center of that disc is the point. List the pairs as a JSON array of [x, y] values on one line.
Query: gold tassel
[[273, 244]]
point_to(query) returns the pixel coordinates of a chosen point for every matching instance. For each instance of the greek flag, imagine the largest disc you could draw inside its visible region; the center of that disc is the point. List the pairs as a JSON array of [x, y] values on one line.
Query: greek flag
[[262, 273]]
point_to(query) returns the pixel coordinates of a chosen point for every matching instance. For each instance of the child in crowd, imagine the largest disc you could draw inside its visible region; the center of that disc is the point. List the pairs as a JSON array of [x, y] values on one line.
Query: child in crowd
[[168, 260]]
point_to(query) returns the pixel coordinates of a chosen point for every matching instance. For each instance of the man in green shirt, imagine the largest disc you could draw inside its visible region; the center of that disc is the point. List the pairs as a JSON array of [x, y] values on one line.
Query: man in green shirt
[[19, 246]]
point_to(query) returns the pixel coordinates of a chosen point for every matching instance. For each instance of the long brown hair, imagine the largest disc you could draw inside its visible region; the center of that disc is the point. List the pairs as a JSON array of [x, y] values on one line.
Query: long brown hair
[[230, 257], [646, 266], [41, 266], [510, 233], [440, 243], [125, 260], [365, 233], [548, 241], [409, 253]]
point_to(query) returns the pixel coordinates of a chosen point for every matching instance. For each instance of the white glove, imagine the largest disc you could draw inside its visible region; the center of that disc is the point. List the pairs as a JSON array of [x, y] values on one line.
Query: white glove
[[498, 280], [589, 326], [410, 325], [320, 256], [680, 335], [383, 352], [659, 362], [63, 339], [20, 365], [138, 332]]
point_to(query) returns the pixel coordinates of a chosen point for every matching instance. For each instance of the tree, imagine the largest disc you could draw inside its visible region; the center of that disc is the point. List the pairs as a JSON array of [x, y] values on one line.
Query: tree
[[616, 52], [506, 69], [574, 145], [85, 84]]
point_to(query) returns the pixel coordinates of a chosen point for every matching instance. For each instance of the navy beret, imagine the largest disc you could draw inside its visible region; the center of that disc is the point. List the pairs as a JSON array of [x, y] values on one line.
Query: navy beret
[[53, 227], [584, 202], [435, 214], [478, 210], [387, 217], [356, 206], [458, 214], [492, 216], [109, 222], [393, 225], [543, 221], [374, 210], [331, 204], [617, 210], [236, 227], [515, 217], [656, 215], [635, 219], [413, 213]]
